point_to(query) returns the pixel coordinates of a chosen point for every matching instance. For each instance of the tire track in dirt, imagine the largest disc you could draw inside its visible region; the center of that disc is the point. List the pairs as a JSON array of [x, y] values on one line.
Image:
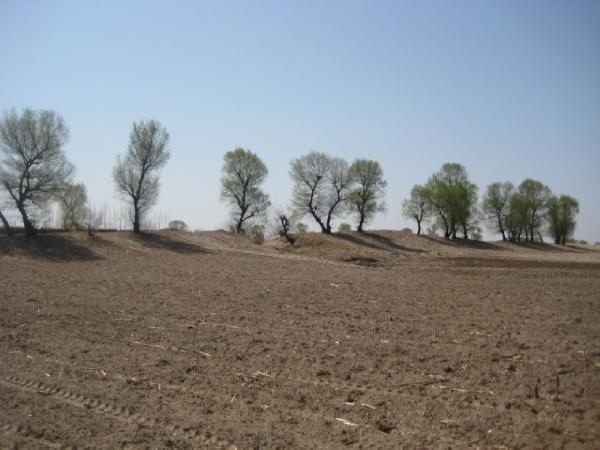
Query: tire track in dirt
[[111, 410], [38, 437], [306, 415], [125, 415], [334, 385]]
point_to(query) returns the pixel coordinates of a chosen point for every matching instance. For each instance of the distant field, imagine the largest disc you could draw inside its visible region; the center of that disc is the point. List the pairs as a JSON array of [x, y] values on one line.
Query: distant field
[[383, 340]]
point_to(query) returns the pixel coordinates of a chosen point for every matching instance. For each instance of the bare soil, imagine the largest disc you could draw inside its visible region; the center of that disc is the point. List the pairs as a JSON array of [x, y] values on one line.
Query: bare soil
[[380, 340]]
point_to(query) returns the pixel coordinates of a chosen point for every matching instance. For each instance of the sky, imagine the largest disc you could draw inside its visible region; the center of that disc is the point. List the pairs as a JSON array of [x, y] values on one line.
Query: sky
[[510, 89]]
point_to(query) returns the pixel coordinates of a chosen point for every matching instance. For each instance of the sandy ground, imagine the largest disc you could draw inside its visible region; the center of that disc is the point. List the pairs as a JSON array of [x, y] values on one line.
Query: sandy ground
[[381, 340]]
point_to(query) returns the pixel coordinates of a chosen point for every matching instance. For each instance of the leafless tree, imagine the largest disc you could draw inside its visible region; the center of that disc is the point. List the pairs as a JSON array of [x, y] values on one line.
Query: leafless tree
[[34, 166], [285, 227], [135, 174]]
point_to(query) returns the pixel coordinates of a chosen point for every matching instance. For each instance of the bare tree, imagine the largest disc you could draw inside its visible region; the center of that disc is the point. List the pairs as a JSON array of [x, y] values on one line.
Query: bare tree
[[34, 167], [284, 225], [366, 198], [135, 174], [415, 207], [322, 187], [241, 186], [72, 203]]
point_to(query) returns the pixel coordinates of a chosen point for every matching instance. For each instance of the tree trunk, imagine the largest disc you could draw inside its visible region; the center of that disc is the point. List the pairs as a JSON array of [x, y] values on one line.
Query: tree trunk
[[239, 227], [7, 227], [501, 227], [136, 218], [361, 222], [418, 226], [318, 220], [465, 233], [27, 224]]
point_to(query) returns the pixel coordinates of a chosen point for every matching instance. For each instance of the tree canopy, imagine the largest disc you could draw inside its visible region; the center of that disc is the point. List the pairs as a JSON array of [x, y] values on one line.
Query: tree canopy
[[34, 167], [241, 186], [135, 174], [366, 199]]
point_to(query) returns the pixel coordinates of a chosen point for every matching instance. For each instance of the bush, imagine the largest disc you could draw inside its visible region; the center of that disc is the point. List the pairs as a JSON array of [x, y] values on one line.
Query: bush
[[344, 227], [258, 234], [301, 228], [178, 225]]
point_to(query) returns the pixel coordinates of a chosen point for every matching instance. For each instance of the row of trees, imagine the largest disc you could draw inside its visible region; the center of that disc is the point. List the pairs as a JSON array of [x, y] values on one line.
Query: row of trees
[[324, 188], [35, 171], [449, 200]]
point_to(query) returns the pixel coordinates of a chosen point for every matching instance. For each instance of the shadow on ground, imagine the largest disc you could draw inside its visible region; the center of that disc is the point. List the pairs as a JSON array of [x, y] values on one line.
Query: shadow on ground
[[47, 246], [382, 243], [464, 243], [545, 247], [162, 242]]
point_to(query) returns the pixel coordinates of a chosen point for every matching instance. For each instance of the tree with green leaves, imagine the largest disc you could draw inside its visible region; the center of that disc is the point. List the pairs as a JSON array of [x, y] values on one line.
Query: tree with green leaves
[[135, 174], [496, 204], [34, 167], [535, 194], [366, 199], [453, 197], [322, 187], [515, 219], [72, 201], [241, 186], [416, 207], [561, 212]]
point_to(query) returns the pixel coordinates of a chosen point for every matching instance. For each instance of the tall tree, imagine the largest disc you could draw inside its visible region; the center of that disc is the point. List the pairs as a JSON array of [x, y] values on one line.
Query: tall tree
[[241, 186], [34, 166], [453, 197], [366, 199], [415, 207], [496, 204], [516, 216], [322, 186], [536, 195], [561, 217], [72, 204], [135, 174]]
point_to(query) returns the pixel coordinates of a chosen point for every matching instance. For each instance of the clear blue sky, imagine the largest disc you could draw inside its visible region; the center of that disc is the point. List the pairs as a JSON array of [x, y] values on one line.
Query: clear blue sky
[[511, 89]]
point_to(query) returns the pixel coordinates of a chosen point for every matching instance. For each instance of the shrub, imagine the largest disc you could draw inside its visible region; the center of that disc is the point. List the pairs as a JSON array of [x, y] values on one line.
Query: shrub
[[178, 225], [258, 234], [301, 228], [344, 227]]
